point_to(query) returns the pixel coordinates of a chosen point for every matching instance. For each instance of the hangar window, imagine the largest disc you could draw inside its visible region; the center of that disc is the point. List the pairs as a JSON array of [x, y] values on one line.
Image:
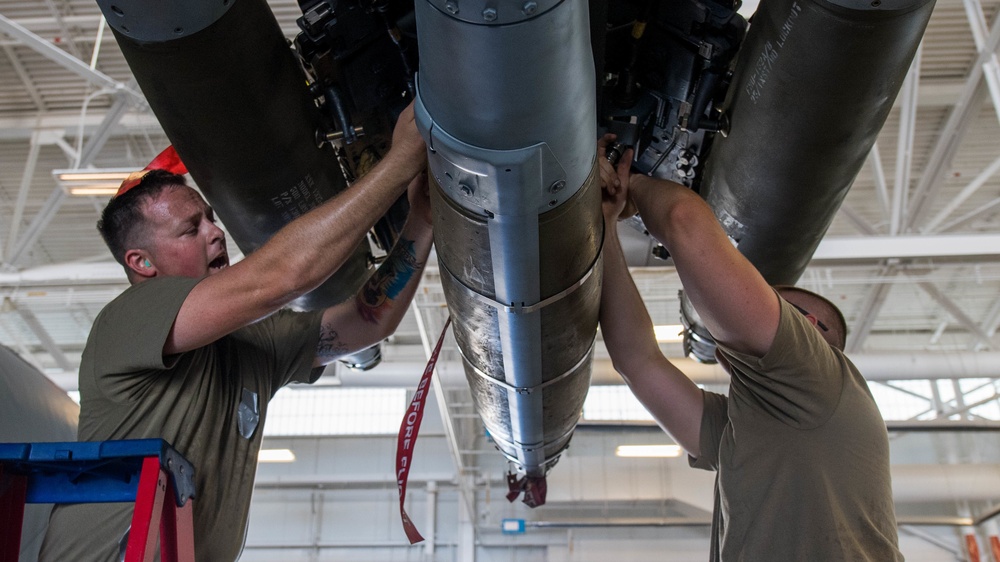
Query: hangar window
[[613, 403], [335, 411]]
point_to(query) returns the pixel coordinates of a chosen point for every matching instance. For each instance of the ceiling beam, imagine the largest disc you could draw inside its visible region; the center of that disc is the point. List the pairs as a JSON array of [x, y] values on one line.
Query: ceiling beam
[[973, 186], [930, 538], [22, 194], [832, 251], [964, 407], [858, 221], [873, 248], [847, 250], [38, 224], [904, 145], [64, 59], [983, 210], [64, 30], [991, 68], [36, 24], [26, 81], [992, 321], [875, 366], [869, 311], [102, 134], [48, 211], [134, 121], [43, 336], [881, 186], [961, 116], [957, 313]]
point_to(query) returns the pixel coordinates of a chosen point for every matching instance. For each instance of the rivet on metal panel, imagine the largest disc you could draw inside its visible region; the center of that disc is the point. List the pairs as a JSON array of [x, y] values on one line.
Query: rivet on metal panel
[[529, 8], [557, 186], [466, 189], [451, 6], [490, 14]]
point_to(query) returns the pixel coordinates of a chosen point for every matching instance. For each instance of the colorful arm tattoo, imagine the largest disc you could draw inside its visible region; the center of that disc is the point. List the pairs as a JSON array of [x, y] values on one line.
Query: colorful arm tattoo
[[385, 285]]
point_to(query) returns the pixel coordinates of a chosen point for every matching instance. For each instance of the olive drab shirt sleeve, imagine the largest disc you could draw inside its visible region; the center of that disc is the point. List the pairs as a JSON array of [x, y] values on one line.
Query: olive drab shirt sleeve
[[802, 462], [714, 418], [776, 383], [802, 395], [278, 339], [210, 403], [127, 345]]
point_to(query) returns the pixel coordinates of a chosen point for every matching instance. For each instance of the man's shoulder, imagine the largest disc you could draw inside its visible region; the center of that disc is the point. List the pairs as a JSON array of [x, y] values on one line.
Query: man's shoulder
[[797, 341], [143, 311], [160, 286], [149, 294]]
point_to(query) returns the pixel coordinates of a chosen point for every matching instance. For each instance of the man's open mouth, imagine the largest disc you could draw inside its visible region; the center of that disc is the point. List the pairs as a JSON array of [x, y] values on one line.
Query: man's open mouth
[[218, 263]]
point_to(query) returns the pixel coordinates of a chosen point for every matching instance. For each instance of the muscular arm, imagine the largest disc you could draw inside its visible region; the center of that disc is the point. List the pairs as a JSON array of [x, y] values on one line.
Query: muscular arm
[[380, 304], [301, 255], [674, 401], [737, 305]]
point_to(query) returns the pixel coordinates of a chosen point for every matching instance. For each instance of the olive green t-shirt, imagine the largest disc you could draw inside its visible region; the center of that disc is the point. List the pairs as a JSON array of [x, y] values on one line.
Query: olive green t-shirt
[[802, 456], [129, 390]]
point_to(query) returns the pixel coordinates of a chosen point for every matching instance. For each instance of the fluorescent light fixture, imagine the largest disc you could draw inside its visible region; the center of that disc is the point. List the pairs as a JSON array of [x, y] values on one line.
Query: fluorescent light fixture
[[276, 455], [648, 451], [91, 175], [104, 181], [669, 333], [95, 189]]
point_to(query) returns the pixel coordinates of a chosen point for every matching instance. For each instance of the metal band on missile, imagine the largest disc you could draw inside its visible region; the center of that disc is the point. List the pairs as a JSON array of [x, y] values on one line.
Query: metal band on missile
[[506, 103]]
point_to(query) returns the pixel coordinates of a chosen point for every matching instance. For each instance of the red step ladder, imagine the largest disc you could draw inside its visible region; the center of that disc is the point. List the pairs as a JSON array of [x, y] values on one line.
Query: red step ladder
[[138, 470]]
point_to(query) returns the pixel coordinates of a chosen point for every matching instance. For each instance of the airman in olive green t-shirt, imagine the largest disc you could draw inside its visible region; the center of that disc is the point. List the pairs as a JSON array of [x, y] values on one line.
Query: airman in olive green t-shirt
[[197, 400], [194, 349], [800, 448]]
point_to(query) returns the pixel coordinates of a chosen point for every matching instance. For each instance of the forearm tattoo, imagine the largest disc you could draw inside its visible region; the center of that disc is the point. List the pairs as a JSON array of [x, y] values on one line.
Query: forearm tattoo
[[391, 278], [329, 345]]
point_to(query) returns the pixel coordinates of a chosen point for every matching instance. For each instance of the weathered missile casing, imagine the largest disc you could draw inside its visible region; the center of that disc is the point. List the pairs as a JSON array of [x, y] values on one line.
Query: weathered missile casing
[[232, 99], [814, 84], [506, 103]]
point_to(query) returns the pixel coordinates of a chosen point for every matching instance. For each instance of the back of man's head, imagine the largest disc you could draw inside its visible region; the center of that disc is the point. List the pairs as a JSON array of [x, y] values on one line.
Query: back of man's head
[[123, 224], [822, 309]]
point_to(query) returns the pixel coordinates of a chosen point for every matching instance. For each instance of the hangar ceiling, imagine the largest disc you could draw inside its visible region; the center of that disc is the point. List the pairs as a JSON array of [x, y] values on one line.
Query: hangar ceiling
[[911, 258]]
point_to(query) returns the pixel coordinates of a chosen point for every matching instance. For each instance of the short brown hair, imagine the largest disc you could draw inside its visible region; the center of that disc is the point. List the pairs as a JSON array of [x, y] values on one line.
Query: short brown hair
[[122, 221], [820, 307]]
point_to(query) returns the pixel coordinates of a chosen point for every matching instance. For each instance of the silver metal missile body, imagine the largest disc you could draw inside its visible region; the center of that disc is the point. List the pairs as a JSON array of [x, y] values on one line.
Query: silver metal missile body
[[506, 103]]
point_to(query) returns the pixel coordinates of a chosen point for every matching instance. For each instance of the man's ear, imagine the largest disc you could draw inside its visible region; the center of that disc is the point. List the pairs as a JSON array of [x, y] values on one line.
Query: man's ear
[[812, 320], [138, 262]]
